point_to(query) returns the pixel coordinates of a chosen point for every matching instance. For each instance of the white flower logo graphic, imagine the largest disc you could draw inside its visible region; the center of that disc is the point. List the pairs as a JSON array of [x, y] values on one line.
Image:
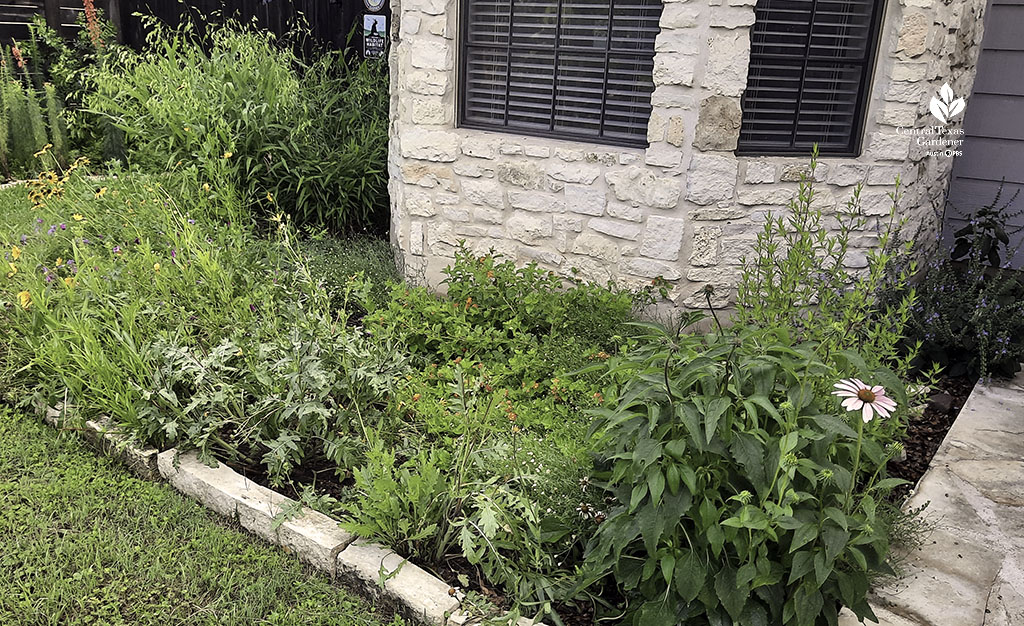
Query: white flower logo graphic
[[945, 108]]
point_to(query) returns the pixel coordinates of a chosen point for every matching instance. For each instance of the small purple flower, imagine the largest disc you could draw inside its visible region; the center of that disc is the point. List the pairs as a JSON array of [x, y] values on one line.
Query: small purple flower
[[39, 220], [191, 221], [137, 242], [52, 230], [252, 308], [49, 277], [174, 254], [63, 226], [85, 241], [24, 238], [117, 249]]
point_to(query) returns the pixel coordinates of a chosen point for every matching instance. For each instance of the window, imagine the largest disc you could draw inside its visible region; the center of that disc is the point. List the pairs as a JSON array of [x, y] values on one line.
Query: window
[[810, 67], [575, 69]]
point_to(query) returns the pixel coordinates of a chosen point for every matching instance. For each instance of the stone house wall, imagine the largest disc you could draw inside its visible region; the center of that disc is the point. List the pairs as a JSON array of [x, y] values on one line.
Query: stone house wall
[[686, 208]]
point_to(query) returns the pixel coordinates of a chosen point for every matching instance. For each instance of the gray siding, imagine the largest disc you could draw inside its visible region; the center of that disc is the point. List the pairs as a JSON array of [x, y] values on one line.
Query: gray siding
[[994, 124]]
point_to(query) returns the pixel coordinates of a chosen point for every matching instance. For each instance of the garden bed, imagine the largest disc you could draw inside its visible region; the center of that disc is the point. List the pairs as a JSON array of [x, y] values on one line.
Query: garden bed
[[926, 432], [516, 435]]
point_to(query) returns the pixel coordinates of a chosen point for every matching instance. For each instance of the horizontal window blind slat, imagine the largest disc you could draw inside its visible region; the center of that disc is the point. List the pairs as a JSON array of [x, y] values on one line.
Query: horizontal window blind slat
[[571, 68], [809, 63]]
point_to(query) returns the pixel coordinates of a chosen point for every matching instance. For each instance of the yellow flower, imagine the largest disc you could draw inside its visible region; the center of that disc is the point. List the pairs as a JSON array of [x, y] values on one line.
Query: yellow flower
[[101, 192], [25, 299], [15, 253], [77, 217], [70, 282], [14, 270], [187, 129], [43, 151], [60, 261], [270, 197], [229, 154], [156, 267], [206, 186]]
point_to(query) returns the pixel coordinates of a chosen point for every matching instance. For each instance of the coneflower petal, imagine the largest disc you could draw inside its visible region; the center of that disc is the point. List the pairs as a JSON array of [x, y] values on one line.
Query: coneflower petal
[[853, 404], [847, 385]]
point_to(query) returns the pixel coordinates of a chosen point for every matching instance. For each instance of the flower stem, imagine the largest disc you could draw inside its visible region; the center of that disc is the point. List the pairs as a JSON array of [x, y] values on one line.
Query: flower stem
[[856, 463]]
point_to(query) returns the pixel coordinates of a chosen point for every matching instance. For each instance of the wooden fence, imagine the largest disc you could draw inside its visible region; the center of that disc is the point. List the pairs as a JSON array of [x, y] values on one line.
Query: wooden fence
[[62, 15], [329, 21]]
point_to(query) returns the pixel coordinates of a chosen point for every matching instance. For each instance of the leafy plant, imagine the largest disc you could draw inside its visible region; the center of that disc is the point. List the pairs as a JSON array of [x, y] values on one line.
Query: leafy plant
[[30, 122], [333, 262], [70, 65], [987, 233], [239, 109], [740, 496], [969, 319], [800, 278]]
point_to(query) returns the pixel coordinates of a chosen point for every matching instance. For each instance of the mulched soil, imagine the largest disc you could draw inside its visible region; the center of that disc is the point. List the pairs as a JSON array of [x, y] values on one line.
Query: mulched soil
[[925, 434]]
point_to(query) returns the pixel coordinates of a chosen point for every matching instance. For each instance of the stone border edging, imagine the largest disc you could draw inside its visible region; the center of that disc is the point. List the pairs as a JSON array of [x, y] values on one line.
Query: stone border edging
[[376, 572], [971, 572]]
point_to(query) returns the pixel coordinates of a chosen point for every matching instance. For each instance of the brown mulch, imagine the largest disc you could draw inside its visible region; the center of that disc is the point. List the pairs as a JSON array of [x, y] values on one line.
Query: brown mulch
[[925, 434]]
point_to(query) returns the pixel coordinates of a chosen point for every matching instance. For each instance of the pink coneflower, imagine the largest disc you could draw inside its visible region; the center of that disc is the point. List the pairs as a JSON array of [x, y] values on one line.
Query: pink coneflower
[[867, 400]]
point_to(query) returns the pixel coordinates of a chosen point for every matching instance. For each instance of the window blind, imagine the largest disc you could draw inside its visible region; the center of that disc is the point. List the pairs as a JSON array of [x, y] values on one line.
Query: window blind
[[810, 67], [561, 68]]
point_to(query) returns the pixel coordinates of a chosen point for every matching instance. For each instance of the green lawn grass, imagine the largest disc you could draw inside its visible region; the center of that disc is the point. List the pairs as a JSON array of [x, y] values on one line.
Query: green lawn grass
[[84, 542]]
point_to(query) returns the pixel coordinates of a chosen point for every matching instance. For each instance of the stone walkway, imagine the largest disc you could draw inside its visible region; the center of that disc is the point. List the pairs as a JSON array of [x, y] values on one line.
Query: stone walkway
[[971, 570]]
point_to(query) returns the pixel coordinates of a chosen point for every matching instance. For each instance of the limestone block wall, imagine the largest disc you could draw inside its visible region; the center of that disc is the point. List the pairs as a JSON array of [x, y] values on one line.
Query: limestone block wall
[[686, 208]]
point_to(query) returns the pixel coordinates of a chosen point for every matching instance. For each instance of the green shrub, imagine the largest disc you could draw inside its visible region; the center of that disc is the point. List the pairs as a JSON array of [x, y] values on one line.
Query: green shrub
[[800, 278], [483, 492], [969, 319], [244, 111], [69, 66], [491, 305], [740, 496], [27, 139], [969, 311]]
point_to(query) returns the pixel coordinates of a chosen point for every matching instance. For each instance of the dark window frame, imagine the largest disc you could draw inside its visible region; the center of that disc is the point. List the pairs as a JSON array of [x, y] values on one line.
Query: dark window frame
[[610, 54], [868, 66]]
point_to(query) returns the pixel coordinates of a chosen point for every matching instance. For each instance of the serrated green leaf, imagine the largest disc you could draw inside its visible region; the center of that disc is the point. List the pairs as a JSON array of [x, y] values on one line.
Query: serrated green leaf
[[835, 539], [803, 535], [716, 408], [656, 485], [803, 562], [808, 602], [732, 594], [689, 576]]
